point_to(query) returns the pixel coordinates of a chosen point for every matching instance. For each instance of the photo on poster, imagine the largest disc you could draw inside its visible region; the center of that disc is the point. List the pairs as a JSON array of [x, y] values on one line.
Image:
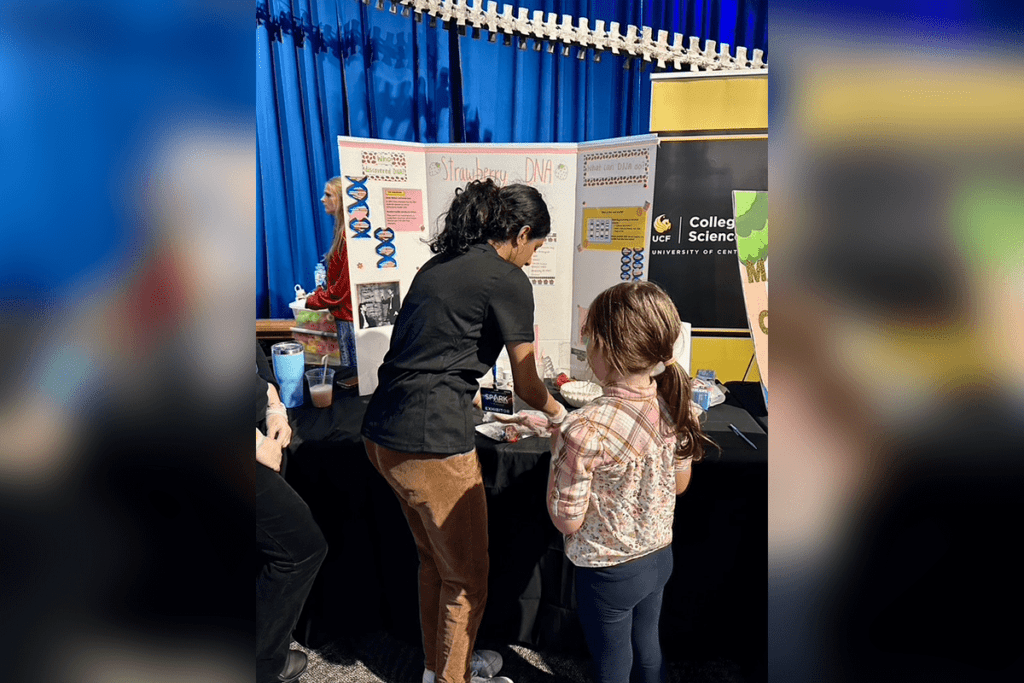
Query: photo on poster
[[379, 303]]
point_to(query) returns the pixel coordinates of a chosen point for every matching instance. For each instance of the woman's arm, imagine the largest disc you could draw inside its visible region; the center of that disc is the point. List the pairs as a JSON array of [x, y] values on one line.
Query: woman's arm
[[277, 418], [338, 293], [331, 297], [528, 384], [273, 398]]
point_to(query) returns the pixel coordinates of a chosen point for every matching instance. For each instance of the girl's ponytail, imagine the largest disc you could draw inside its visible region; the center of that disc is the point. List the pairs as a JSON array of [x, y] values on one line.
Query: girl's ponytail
[[636, 325], [674, 390]]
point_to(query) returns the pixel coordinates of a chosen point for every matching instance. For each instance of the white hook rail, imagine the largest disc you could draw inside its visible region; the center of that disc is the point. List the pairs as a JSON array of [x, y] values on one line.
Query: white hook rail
[[637, 43]]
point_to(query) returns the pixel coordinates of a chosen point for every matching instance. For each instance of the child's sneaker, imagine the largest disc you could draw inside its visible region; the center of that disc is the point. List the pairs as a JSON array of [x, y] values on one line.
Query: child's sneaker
[[493, 679], [485, 664]]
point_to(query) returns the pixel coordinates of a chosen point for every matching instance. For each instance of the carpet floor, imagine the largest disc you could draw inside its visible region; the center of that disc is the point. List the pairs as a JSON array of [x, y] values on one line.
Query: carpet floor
[[379, 657]]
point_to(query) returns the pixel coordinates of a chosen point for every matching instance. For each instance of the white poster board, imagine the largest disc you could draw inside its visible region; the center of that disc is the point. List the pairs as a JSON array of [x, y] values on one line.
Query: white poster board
[[396, 194], [386, 204], [614, 192], [551, 169]]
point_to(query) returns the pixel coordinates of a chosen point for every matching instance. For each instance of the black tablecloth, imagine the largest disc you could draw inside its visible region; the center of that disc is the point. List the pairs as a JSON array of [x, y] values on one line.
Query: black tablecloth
[[714, 604]]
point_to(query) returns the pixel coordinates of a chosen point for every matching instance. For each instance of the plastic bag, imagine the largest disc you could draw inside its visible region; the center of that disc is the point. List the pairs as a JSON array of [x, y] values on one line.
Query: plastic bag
[[714, 393]]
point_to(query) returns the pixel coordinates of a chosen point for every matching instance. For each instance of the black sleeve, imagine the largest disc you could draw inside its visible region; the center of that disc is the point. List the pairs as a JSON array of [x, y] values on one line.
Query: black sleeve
[[264, 376], [263, 366], [512, 303]]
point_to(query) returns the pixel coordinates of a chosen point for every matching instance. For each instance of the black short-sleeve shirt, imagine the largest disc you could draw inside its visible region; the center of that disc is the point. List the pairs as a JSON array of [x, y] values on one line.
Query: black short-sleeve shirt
[[264, 376], [459, 313]]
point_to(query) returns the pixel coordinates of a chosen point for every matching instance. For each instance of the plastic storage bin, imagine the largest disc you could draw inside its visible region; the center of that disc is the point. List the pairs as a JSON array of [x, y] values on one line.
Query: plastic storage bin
[[316, 343], [308, 319]]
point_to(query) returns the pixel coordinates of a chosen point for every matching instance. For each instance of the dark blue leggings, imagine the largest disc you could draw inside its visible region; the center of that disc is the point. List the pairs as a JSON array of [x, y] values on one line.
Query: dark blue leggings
[[619, 608]]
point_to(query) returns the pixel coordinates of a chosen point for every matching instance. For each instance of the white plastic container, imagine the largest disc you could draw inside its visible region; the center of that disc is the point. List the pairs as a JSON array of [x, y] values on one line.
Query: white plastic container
[[579, 394]]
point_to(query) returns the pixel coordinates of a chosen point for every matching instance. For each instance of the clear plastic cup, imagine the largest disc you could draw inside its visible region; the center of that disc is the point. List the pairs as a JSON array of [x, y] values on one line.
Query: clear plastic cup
[[321, 386]]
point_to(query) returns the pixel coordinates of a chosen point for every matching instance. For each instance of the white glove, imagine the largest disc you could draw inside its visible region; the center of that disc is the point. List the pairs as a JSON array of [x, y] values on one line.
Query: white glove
[[528, 422], [532, 421], [268, 452], [277, 424], [557, 419]]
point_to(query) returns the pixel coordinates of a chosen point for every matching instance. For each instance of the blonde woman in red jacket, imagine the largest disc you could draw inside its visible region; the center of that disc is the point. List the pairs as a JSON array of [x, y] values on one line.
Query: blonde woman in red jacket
[[337, 297]]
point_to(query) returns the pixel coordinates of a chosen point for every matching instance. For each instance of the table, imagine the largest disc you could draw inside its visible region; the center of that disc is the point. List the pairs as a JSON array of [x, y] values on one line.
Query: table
[[715, 602]]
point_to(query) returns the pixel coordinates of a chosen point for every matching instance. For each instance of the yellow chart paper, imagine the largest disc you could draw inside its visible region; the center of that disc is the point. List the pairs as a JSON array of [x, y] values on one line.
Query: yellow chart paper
[[614, 228]]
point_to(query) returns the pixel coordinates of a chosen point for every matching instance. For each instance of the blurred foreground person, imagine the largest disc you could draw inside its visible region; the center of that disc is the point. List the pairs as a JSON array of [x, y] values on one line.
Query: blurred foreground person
[[898, 379]]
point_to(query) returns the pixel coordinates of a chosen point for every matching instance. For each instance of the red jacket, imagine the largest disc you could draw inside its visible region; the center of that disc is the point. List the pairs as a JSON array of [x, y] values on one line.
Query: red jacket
[[337, 298]]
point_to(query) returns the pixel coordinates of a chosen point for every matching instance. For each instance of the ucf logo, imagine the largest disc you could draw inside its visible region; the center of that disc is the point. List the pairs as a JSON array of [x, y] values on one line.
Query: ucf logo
[[661, 226]]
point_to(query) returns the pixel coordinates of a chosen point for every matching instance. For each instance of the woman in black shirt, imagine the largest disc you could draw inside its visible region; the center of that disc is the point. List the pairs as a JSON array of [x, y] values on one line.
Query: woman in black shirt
[[466, 303]]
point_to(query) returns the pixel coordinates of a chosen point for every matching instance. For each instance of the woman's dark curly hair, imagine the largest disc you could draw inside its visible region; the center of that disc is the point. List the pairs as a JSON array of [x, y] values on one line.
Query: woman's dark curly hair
[[484, 211]]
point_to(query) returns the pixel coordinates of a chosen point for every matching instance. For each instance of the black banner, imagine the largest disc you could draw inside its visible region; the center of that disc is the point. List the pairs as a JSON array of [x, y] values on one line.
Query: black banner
[[693, 243]]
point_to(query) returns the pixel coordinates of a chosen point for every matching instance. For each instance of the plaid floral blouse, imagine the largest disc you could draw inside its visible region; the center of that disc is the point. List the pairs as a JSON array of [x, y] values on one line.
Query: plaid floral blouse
[[613, 463]]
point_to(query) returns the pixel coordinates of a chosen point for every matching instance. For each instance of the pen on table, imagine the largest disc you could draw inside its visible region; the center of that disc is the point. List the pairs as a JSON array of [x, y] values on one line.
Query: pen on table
[[740, 434]]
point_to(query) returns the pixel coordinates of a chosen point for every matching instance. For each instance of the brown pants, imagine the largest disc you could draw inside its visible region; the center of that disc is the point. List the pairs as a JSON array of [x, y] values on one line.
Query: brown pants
[[443, 500]]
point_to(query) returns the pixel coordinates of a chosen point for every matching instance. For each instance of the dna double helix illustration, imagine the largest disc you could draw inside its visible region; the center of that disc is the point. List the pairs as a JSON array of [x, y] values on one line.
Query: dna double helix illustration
[[386, 248], [358, 211], [638, 264], [627, 263], [632, 264]]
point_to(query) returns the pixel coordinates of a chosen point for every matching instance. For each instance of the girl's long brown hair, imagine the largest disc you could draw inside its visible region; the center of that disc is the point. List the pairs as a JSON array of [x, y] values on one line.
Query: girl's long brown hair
[[635, 324], [335, 184]]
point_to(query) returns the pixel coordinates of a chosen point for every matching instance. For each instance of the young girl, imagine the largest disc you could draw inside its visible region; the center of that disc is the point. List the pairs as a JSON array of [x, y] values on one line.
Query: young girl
[[617, 465], [337, 297]]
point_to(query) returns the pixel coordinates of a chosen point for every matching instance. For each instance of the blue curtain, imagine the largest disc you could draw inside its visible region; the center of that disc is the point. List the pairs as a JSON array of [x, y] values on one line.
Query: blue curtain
[[341, 67]]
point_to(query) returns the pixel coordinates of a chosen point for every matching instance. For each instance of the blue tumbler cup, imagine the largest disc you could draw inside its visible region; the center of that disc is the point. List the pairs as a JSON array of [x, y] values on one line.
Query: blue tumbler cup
[[289, 364]]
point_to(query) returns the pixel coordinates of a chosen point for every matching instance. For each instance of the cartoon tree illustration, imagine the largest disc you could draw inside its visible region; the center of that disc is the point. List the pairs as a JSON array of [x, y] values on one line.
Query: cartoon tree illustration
[[752, 226]]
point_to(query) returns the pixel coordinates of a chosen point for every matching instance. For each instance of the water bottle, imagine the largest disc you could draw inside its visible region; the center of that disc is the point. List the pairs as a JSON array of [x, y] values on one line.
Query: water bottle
[[289, 363], [320, 276], [702, 397]]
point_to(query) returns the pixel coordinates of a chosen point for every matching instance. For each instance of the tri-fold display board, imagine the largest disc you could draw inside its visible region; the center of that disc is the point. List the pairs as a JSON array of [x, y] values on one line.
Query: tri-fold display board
[[599, 195]]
